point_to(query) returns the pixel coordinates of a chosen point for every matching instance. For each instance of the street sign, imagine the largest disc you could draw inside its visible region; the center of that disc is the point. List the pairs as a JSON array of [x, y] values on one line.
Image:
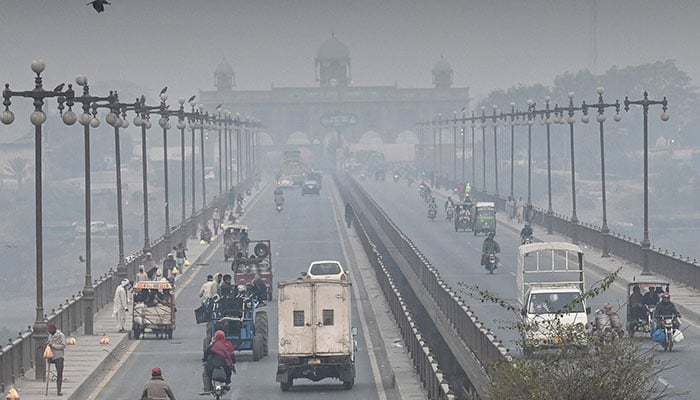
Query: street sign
[[338, 119]]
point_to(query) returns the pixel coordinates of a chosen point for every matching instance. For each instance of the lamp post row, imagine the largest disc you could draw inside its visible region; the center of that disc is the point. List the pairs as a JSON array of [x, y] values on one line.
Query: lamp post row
[[67, 98], [548, 115]]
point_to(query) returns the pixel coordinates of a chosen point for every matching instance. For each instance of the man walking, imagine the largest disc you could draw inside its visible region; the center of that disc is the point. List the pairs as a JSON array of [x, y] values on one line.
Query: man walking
[[121, 305], [349, 214], [57, 342]]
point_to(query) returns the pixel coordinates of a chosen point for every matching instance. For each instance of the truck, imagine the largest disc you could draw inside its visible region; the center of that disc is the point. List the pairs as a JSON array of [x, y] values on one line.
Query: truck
[[550, 284], [293, 167], [316, 339]]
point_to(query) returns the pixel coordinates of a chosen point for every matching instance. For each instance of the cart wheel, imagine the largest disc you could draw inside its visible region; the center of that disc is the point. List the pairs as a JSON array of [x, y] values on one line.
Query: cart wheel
[[285, 386], [347, 385], [169, 333]]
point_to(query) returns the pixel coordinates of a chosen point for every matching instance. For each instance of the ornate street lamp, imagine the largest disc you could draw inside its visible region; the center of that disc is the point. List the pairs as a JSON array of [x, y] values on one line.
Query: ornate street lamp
[[37, 118], [530, 120], [645, 103], [548, 121], [483, 147], [494, 122], [87, 120], [512, 146], [570, 120], [601, 106]]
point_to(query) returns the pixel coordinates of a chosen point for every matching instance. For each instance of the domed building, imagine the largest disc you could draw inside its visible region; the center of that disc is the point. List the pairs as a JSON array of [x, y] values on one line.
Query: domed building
[[333, 63], [337, 105]]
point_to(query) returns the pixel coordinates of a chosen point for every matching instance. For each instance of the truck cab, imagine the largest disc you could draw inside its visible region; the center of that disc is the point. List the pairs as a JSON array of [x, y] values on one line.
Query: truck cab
[[550, 288]]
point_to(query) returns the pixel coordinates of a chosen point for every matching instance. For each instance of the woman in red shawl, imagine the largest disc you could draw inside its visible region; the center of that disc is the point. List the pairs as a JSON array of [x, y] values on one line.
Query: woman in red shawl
[[220, 354]]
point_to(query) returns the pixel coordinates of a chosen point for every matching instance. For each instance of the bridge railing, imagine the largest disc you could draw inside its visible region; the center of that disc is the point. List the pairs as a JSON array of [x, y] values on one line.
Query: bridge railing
[[673, 266], [425, 362], [17, 357], [481, 341]]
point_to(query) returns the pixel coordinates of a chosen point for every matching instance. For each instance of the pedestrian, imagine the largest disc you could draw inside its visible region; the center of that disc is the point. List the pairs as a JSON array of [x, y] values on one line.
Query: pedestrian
[[349, 214], [141, 275], [168, 264], [157, 388], [216, 219], [180, 255], [121, 305], [519, 207], [57, 342], [150, 265], [208, 289], [510, 208]]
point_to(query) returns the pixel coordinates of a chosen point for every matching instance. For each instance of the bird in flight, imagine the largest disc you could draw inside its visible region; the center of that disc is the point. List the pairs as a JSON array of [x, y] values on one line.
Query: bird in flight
[[99, 5]]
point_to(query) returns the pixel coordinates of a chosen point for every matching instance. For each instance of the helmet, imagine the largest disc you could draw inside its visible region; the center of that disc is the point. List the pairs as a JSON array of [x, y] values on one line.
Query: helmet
[[491, 235]]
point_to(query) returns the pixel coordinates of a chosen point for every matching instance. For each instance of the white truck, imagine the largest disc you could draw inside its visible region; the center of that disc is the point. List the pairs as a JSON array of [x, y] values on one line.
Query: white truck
[[550, 287], [316, 340]]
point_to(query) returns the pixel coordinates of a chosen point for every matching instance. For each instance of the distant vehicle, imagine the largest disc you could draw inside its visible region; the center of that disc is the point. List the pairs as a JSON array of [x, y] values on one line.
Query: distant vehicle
[[317, 176], [285, 182], [311, 186], [326, 270]]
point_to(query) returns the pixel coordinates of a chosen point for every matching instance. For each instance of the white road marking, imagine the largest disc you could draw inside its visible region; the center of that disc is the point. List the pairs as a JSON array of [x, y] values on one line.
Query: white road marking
[[365, 330]]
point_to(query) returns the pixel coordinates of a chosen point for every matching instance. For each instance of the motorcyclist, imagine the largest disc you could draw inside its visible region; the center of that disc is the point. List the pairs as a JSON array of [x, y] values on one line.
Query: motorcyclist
[[489, 246], [664, 308], [449, 203], [219, 354], [279, 197], [525, 233], [432, 205], [205, 234]]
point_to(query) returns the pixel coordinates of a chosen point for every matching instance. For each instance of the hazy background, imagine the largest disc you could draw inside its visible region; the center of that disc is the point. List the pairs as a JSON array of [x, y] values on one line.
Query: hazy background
[[490, 44]]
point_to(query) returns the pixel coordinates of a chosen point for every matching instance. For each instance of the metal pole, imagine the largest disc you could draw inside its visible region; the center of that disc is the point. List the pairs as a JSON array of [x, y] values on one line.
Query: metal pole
[[454, 147], [464, 147], [512, 147], [473, 126], [194, 174], [201, 150], [495, 151], [144, 168], [550, 212], [88, 290], [483, 147], [182, 170], [165, 176], [434, 173], [121, 266]]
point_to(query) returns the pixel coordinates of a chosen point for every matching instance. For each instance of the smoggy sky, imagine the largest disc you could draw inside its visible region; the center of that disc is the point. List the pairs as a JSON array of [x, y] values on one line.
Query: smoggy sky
[[489, 43]]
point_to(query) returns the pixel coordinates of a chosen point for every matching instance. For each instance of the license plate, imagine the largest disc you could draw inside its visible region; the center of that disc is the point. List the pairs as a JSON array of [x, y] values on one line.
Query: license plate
[[314, 361]]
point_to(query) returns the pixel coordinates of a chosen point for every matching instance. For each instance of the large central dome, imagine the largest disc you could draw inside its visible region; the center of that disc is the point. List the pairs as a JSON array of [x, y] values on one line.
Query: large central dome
[[333, 49]]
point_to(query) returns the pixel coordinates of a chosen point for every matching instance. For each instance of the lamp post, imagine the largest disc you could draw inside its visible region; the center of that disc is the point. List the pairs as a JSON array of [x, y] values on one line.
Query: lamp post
[[570, 120], [193, 125], [454, 146], [601, 106], [87, 120], [645, 103], [37, 118], [512, 146], [548, 121], [530, 120], [494, 122], [434, 172], [483, 147], [181, 125], [464, 140], [473, 126]]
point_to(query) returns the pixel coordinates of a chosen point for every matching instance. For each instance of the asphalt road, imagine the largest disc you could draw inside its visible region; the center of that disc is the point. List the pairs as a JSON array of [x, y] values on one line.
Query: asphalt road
[[306, 230], [457, 256]]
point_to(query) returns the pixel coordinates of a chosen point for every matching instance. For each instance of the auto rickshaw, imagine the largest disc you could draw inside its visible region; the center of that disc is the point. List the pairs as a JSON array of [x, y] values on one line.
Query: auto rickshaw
[[463, 221], [639, 314], [484, 217], [235, 238], [153, 310]]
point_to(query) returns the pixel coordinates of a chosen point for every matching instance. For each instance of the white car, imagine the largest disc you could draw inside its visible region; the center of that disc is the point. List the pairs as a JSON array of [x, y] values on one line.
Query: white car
[[326, 270]]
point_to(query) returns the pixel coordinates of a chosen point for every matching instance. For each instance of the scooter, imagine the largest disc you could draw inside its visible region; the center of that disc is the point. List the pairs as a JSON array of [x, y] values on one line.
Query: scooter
[[667, 324], [491, 262], [278, 207]]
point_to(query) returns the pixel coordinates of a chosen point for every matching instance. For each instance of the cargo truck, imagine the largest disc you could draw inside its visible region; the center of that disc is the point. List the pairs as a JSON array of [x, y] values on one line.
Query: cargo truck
[[316, 340], [550, 285]]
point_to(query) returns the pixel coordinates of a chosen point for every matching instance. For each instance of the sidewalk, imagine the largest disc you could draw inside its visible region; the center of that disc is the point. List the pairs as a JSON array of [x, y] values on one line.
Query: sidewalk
[[86, 359], [686, 299]]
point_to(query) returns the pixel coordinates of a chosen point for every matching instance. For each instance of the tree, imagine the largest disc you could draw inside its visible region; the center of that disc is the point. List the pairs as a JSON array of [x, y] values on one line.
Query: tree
[[584, 365], [18, 168]]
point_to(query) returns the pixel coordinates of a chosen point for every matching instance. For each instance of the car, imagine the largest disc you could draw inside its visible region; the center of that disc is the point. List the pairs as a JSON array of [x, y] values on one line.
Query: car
[[326, 270], [285, 182], [317, 176], [311, 186]]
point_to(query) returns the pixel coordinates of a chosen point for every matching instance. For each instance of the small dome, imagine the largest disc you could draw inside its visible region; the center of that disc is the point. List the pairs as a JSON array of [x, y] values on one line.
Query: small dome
[[224, 68], [442, 66], [332, 49]]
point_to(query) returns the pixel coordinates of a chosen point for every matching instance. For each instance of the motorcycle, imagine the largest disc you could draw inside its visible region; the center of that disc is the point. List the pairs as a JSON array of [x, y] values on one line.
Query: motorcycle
[[278, 207], [218, 383], [449, 213], [432, 213], [490, 262], [396, 177], [363, 176], [670, 333], [526, 239]]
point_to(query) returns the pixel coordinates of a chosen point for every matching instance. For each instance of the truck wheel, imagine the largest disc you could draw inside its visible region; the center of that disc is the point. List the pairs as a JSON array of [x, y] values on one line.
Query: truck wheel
[[257, 347], [347, 385], [285, 386]]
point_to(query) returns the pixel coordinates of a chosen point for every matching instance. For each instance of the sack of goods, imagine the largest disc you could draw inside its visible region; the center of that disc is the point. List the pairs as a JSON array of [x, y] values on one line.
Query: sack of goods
[[678, 336], [659, 335]]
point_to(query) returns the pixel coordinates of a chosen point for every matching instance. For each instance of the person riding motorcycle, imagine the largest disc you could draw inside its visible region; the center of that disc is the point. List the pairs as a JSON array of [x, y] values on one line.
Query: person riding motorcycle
[[525, 233], [432, 205], [489, 246], [219, 354], [279, 197], [666, 307], [449, 203]]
